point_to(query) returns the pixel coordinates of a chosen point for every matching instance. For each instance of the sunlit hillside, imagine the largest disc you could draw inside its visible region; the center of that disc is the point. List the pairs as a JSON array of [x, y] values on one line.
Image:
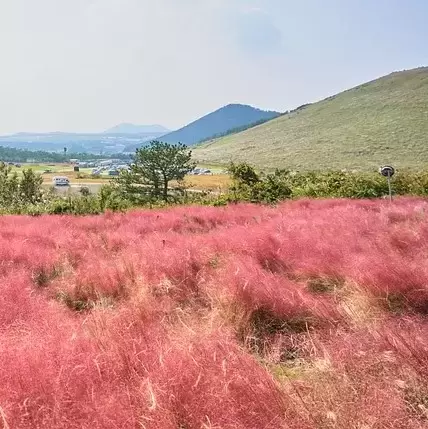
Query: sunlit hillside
[[383, 121]]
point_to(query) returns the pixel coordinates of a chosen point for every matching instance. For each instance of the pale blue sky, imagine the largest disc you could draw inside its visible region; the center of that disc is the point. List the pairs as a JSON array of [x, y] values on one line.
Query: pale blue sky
[[85, 65]]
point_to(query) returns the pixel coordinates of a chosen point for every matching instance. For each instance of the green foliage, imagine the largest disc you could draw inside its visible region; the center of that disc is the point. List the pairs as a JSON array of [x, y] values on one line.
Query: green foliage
[[275, 187], [9, 186], [251, 186], [338, 184], [30, 187], [110, 198], [243, 174], [154, 167], [16, 192]]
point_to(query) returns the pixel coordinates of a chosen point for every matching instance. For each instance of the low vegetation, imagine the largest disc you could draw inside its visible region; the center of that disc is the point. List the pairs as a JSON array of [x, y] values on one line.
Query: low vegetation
[[249, 185], [308, 315], [156, 179], [19, 192]]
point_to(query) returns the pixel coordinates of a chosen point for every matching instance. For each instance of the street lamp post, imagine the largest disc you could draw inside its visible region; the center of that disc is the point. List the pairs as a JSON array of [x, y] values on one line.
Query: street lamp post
[[388, 171]]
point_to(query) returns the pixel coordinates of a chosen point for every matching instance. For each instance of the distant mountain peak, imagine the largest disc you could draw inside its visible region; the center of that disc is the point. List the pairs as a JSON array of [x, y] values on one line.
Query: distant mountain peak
[[227, 119], [246, 107], [220, 121]]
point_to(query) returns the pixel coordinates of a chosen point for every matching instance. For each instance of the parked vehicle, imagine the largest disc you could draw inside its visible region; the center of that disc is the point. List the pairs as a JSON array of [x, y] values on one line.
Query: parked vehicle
[[61, 181]]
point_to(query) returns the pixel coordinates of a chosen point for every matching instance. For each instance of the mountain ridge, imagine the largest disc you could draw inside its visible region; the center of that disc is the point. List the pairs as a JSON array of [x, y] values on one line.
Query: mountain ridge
[[230, 116], [219, 121]]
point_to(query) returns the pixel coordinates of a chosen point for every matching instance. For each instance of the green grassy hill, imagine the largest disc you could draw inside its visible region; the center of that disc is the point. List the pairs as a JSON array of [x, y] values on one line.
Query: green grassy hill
[[383, 121]]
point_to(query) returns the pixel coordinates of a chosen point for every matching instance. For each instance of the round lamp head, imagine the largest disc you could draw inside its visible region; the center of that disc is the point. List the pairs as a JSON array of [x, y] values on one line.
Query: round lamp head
[[387, 171]]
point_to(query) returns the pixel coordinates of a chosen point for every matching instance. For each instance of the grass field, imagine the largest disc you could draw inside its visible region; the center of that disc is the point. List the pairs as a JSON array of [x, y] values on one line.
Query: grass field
[[63, 170], [380, 122], [308, 315], [215, 182]]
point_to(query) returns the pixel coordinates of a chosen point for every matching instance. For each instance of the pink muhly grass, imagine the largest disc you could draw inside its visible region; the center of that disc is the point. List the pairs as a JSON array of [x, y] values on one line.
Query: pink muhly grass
[[256, 288], [174, 297], [209, 381]]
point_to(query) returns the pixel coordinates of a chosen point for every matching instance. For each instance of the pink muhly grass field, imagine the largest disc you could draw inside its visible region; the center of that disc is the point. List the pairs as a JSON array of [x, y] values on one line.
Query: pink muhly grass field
[[311, 314]]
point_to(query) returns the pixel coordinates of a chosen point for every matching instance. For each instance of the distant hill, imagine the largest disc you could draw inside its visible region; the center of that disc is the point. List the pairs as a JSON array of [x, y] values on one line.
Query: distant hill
[[218, 122], [382, 121], [127, 128], [222, 120], [74, 142]]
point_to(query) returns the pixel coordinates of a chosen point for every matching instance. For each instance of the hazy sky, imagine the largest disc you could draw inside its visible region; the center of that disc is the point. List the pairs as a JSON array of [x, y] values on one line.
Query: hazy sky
[[86, 65]]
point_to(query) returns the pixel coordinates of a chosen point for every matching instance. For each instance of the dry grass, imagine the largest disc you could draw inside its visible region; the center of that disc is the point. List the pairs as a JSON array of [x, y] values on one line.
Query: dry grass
[[215, 182]]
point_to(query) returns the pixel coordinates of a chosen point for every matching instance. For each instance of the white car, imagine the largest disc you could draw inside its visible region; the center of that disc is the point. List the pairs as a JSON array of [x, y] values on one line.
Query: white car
[[61, 181]]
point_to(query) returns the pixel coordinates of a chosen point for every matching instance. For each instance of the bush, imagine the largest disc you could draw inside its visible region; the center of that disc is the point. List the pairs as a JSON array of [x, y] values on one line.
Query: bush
[[248, 185], [17, 192]]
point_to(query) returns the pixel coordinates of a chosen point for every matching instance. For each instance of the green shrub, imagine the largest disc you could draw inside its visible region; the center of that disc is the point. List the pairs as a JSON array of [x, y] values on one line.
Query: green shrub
[[248, 185]]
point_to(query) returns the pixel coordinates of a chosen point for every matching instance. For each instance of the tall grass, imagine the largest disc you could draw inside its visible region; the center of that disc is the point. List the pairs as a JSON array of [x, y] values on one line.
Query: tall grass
[[311, 315]]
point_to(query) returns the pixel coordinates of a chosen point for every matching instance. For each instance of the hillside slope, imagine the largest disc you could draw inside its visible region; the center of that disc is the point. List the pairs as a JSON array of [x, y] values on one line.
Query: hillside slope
[[383, 121]]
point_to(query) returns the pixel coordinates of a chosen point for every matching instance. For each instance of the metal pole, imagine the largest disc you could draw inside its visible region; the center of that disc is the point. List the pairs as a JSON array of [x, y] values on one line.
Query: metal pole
[[389, 187]]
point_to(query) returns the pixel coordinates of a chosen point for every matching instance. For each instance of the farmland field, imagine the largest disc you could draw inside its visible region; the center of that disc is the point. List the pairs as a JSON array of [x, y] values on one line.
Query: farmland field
[[218, 180], [308, 315]]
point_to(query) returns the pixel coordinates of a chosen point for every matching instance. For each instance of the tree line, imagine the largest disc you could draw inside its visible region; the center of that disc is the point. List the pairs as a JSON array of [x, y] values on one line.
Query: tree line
[[10, 154]]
